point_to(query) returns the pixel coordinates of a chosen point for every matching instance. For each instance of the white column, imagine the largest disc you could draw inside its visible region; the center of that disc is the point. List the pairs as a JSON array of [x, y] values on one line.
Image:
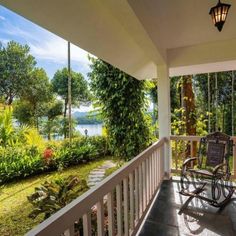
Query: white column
[[164, 115]]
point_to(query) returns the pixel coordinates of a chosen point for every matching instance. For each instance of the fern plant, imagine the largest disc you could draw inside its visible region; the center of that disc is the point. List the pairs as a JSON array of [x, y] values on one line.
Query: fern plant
[[54, 195]]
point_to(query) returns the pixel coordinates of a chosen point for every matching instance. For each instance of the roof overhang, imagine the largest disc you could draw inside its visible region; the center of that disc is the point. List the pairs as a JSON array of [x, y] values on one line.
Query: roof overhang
[[137, 36]]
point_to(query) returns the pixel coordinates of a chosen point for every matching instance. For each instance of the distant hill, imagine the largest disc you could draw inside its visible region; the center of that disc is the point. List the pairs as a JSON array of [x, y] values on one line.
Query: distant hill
[[87, 117], [78, 114]]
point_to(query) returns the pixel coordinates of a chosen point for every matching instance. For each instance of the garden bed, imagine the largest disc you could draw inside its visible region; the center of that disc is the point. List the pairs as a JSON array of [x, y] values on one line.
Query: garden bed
[[14, 206]]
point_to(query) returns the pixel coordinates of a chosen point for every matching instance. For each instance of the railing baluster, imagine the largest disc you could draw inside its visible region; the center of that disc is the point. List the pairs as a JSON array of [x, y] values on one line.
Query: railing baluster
[[159, 167], [136, 195], [150, 170], [148, 180], [144, 184], [110, 208], [234, 158], [191, 148], [176, 155], [87, 224], [162, 162], [100, 218], [140, 190], [70, 231], [126, 207], [153, 171], [119, 210], [156, 168], [131, 199]]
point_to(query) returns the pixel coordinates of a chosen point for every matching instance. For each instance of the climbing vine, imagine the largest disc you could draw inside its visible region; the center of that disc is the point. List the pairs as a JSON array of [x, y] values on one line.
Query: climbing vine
[[123, 104]]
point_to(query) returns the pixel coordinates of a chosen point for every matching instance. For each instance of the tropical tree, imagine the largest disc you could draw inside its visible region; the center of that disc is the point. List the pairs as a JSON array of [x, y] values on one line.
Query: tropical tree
[[34, 97], [189, 111], [122, 100], [16, 65], [215, 100], [23, 112], [79, 88], [53, 110]]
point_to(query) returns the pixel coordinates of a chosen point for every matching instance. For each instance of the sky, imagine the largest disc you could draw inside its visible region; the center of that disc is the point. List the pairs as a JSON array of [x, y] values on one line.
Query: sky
[[49, 50]]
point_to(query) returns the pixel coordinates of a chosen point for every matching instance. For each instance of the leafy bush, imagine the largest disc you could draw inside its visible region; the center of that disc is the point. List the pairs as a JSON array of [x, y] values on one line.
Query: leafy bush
[[54, 195], [81, 150], [29, 159], [7, 135], [18, 163]]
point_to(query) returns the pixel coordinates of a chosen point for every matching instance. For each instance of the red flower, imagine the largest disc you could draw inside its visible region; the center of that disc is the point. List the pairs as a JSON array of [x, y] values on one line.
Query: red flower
[[47, 154]]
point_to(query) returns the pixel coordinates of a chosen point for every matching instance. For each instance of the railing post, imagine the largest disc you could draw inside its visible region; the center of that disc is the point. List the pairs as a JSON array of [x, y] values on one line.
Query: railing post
[[164, 114], [234, 158]]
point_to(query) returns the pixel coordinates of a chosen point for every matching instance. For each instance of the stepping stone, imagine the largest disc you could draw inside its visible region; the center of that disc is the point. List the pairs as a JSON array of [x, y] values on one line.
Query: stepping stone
[[98, 174], [98, 170]]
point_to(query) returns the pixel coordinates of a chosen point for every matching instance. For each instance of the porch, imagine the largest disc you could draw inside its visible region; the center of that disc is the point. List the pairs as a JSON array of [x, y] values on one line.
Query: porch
[[138, 38]]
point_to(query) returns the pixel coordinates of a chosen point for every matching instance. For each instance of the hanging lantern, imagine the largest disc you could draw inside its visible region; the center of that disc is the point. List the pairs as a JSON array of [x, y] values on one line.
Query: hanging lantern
[[219, 14]]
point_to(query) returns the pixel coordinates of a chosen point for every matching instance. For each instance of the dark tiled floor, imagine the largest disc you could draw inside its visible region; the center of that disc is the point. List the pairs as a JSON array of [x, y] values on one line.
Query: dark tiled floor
[[198, 219]]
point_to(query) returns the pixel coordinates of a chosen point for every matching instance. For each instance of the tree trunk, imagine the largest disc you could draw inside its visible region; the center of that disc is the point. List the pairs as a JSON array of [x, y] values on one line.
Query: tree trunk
[[49, 129], [65, 122], [69, 96], [9, 100], [190, 113]]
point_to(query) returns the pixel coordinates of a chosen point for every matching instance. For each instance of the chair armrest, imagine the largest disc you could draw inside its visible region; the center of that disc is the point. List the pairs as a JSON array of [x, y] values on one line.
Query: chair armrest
[[188, 160], [218, 167]]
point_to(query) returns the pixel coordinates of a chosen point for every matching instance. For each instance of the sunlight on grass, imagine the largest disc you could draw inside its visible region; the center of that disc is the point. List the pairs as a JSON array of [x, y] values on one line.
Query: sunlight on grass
[[14, 206]]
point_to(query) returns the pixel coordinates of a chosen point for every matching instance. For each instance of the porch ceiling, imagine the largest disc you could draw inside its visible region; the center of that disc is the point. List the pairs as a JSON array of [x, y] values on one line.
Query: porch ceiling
[[137, 35]]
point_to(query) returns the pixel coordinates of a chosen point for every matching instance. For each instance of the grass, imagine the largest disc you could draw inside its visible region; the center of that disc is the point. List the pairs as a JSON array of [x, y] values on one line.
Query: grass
[[14, 206]]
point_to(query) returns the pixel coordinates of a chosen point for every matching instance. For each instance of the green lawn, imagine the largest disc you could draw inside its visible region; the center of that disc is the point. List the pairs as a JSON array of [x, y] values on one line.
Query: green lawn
[[14, 206]]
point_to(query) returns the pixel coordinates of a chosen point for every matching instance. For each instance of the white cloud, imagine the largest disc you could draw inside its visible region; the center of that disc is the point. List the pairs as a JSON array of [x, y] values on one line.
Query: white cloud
[[54, 49], [4, 41], [13, 30], [2, 18]]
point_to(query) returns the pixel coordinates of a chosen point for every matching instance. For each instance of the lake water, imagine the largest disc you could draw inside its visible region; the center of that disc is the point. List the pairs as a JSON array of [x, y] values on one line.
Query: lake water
[[92, 129]]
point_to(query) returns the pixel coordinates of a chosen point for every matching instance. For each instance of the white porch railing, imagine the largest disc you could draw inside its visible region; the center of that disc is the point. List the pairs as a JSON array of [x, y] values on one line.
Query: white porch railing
[[178, 154], [119, 203]]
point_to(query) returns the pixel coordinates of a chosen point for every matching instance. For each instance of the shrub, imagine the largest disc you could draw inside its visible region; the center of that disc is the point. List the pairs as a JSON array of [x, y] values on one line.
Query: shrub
[[22, 161], [81, 150], [19, 163], [53, 195]]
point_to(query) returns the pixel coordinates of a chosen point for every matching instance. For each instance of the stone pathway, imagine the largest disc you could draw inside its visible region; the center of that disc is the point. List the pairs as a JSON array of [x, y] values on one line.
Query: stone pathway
[[98, 174]]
